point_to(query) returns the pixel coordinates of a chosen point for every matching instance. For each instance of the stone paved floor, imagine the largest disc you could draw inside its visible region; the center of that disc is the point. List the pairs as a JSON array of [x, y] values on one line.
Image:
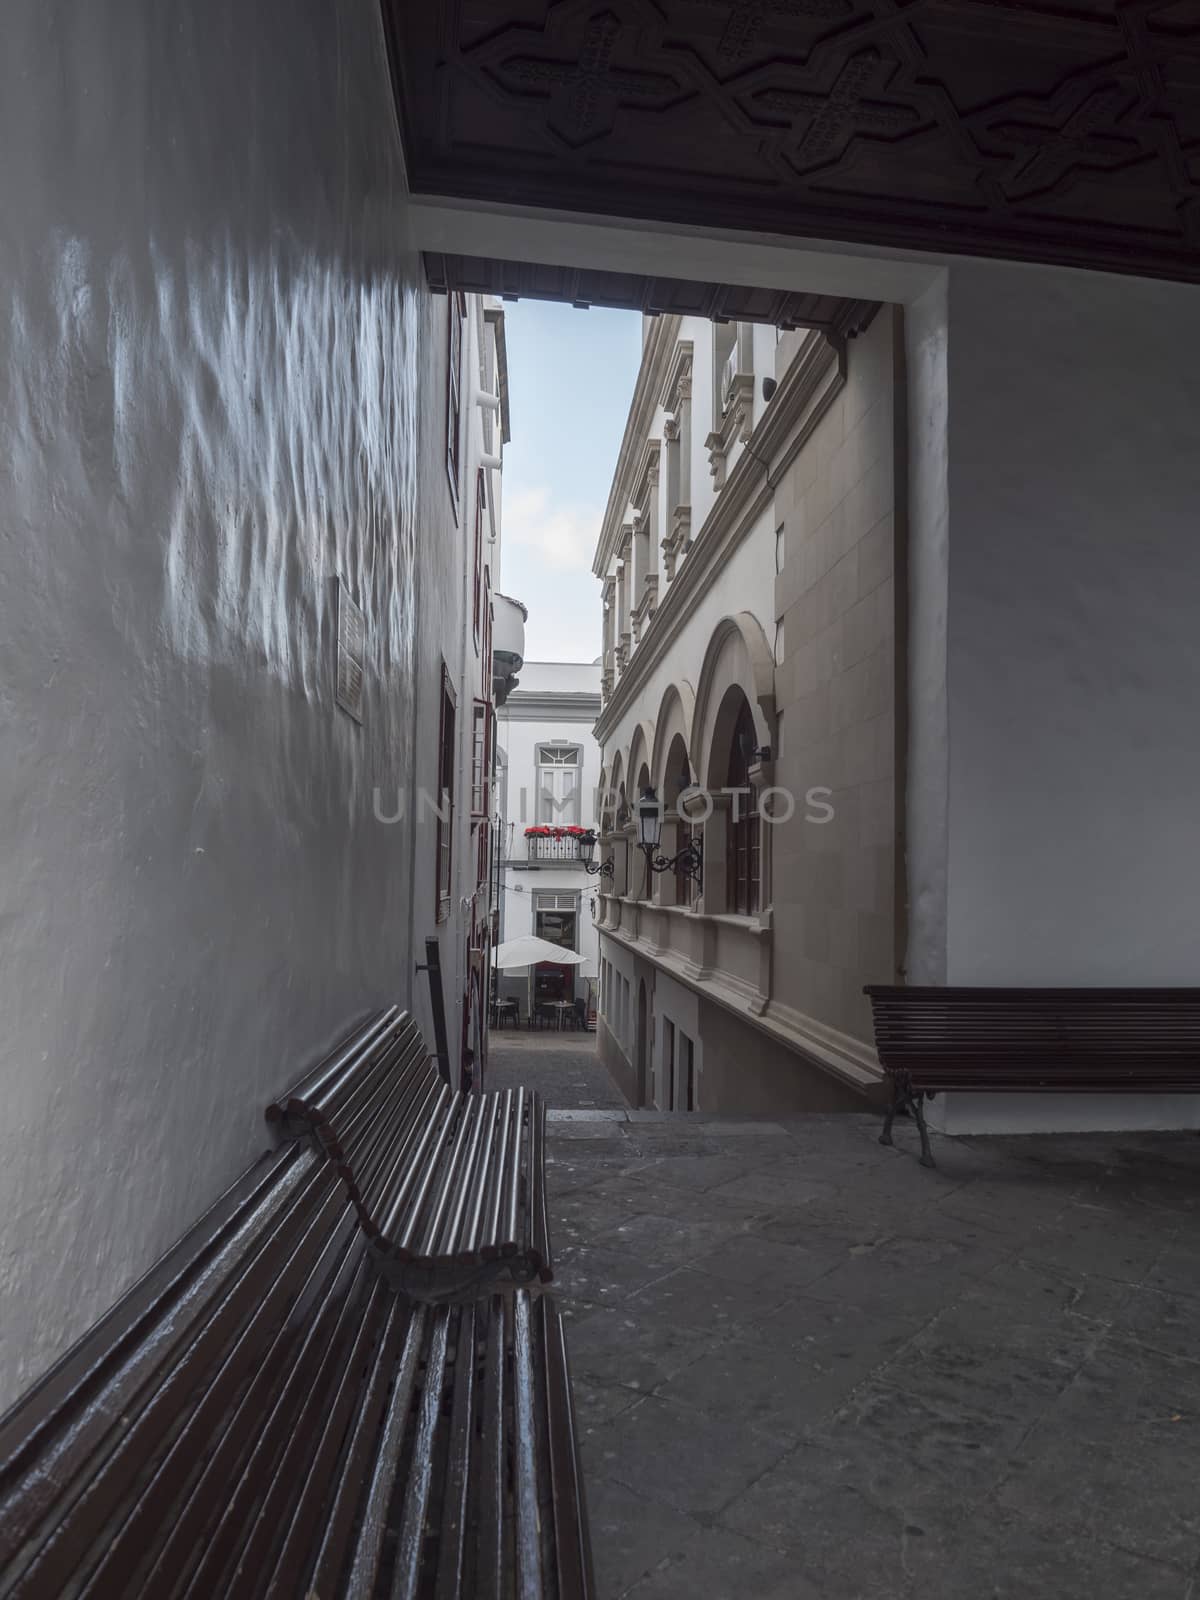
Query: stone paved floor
[[809, 1369], [563, 1067]]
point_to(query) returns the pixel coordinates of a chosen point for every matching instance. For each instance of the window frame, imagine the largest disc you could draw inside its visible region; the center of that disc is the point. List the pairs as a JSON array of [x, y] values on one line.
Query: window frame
[[481, 754], [556, 818], [447, 761], [483, 856], [743, 891], [539, 908], [455, 343], [480, 513]]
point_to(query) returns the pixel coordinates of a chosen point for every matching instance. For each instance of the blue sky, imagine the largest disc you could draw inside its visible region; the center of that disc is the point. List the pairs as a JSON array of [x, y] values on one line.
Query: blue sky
[[571, 376]]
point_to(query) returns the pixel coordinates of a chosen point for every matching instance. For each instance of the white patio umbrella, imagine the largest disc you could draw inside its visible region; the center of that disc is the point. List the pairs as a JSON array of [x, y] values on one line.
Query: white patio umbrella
[[528, 951]]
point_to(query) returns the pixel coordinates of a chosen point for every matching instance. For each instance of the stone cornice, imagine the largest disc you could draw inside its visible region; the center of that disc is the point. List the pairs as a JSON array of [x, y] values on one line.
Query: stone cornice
[[549, 705], [660, 347], [808, 388]]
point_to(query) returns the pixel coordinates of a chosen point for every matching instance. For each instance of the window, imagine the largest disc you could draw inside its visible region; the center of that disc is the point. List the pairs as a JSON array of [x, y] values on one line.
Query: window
[[458, 314], [687, 1074], [685, 884], [559, 793], [725, 344], [669, 1064], [686, 887], [482, 848], [480, 515], [481, 753], [445, 826], [744, 829], [556, 918]]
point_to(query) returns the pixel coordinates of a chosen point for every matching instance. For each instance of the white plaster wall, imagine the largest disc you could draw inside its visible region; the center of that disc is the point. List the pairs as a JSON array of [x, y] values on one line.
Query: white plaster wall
[[1073, 645], [1073, 652], [444, 620], [210, 351], [927, 573]]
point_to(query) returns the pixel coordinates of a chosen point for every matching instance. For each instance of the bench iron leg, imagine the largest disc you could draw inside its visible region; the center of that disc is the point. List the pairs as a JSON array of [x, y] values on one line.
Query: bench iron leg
[[918, 1105], [890, 1114], [903, 1099]]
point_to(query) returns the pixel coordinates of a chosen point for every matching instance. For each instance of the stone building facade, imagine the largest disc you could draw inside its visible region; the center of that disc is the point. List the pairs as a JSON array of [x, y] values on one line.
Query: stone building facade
[[748, 563]]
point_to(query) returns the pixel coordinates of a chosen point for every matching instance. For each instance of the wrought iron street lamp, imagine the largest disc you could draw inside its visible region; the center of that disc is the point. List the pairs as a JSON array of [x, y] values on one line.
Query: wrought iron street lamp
[[587, 849], [689, 860]]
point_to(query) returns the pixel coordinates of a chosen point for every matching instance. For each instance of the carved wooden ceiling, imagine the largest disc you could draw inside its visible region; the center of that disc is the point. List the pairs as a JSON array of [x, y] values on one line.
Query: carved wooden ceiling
[[1064, 131]]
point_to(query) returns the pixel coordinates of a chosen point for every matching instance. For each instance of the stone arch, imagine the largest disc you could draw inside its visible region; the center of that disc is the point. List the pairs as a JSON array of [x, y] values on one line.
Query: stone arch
[[738, 655], [674, 720], [611, 795], [638, 769]]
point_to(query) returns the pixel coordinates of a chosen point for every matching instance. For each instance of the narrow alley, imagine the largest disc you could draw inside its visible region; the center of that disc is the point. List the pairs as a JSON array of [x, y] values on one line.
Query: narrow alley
[[599, 794]]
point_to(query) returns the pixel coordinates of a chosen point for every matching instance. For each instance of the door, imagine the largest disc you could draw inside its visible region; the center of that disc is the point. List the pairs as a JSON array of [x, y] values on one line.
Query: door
[[642, 1062]]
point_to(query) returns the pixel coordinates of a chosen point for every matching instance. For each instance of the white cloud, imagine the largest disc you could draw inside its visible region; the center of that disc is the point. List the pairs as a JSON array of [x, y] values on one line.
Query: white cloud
[[564, 534]]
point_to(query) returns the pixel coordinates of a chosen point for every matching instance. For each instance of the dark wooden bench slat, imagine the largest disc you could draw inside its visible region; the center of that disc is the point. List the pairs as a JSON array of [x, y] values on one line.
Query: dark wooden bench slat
[[277, 1421], [175, 1488], [1033, 1041], [449, 1189], [98, 1352], [452, 1547], [321, 1084], [372, 1400], [362, 1130], [215, 1298]]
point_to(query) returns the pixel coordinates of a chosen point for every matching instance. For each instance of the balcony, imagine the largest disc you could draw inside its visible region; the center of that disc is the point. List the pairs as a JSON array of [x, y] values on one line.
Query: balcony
[[544, 850], [508, 645]]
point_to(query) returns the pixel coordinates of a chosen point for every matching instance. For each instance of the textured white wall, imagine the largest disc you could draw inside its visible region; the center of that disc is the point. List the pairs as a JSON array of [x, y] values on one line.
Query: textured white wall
[[1073, 645], [927, 573], [1073, 654], [209, 356]]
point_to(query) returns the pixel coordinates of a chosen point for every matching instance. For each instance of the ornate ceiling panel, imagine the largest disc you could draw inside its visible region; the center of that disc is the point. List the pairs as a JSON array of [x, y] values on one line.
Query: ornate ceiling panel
[[1064, 131]]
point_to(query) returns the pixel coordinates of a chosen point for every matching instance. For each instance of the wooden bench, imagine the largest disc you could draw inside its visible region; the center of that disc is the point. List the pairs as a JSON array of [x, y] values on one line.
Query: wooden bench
[[263, 1417], [1033, 1041], [450, 1188]]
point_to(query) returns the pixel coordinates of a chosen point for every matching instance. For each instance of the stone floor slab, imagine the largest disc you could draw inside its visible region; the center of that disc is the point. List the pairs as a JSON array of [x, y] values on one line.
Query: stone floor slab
[[846, 1545], [765, 1386], [617, 1347], [806, 1366], [691, 1298], [1007, 1557], [719, 1565], [679, 1458], [601, 1274]]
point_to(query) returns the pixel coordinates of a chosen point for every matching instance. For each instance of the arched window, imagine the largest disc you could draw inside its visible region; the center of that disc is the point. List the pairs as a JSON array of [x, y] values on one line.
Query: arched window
[[745, 841], [677, 780]]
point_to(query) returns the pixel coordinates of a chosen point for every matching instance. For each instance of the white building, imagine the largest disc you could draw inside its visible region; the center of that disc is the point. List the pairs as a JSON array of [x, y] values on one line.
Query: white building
[[548, 776]]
